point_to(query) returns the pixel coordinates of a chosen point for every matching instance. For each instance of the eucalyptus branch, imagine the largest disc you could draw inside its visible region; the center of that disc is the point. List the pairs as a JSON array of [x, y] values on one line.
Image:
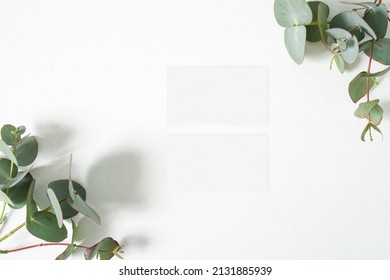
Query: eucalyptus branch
[[347, 35]]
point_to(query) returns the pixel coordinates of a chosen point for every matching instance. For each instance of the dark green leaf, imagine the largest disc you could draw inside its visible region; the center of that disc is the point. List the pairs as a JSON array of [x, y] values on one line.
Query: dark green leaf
[[289, 13], [26, 151], [381, 51], [358, 86], [365, 108], [104, 250], [376, 17], [61, 190], [320, 13], [377, 74], [376, 115], [69, 249], [18, 193], [294, 39], [31, 205], [43, 225], [80, 205], [364, 45], [346, 21], [9, 134], [8, 170]]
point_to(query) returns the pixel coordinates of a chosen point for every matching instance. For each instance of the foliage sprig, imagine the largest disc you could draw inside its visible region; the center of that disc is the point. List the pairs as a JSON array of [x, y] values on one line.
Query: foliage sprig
[[361, 29], [67, 199]]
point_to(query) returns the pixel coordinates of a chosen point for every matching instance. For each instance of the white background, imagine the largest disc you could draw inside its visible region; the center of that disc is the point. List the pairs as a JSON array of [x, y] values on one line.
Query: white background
[[89, 78]]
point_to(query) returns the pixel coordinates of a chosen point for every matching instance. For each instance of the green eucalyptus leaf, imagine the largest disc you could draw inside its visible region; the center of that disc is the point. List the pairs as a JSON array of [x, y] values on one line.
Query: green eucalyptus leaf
[[26, 151], [9, 134], [381, 51], [376, 115], [8, 171], [346, 21], [11, 183], [56, 206], [363, 25], [364, 132], [351, 53], [61, 190], [104, 250], [358, 86], [377, 129], [339, 34], [5, 198], [80, 205], [6, 150], [340, 63], [365, 108], [31, 205], [368, 5], [376, 17], [320, 13], [69, 249], [294, 39], [21, 130], [377, 74], [18, 193], [289, 13], [364, 45], [44, 225]]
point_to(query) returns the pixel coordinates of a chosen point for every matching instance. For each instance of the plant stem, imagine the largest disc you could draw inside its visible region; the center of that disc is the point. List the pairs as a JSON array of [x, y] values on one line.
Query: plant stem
[[368, 84], [42, 245], [12, 232]]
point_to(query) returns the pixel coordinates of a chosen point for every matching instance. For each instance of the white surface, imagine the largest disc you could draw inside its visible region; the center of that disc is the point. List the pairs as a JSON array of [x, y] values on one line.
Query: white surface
[[89, 77], [217, 95], [217, 163]]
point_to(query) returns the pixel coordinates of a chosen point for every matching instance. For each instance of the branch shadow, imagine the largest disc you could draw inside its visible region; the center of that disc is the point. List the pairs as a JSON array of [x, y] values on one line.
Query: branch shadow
[[115, 182]]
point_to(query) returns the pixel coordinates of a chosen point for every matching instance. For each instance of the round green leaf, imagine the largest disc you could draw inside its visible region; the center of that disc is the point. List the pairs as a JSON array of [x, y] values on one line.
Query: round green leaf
[[320, 13], [358, 86], [339, 34], [9, 134], [346, 21], [44, 226], [18, 193], [61, 190], [376, 115], [26, 151], [104, 249], [295, 39], [376, 17], [365, 108], [381, 51], [351, 53], [289, 13], [5, 171]]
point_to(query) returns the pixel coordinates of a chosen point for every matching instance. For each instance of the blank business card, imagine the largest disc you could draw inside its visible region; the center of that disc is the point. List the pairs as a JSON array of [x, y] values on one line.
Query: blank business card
[[217, 95], [217, 163]]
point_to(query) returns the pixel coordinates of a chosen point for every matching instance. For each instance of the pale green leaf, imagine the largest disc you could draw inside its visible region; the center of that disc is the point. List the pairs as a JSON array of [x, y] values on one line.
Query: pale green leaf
[[295, 39], [5, 198], [80, 205], [289, 13], [56, 206], [365, 108]]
